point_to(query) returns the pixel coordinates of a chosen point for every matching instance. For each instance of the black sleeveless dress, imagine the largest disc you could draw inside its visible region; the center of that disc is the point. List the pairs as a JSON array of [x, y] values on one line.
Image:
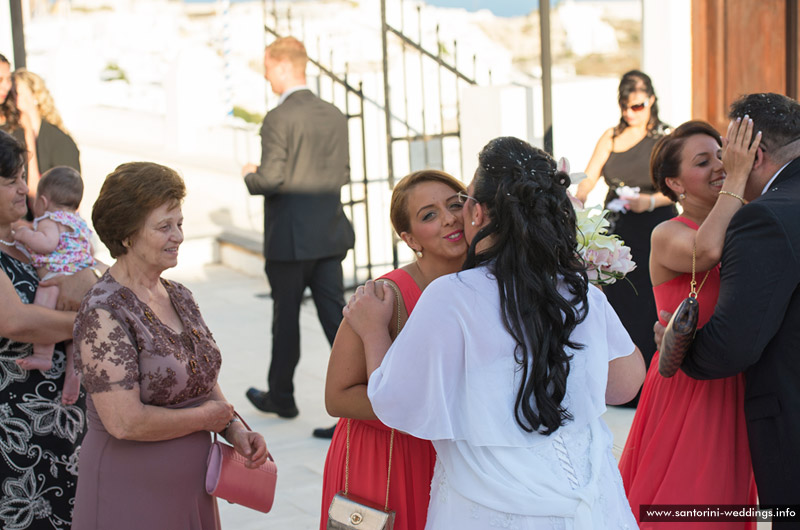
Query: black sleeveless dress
[[40, 437], [635, 303]]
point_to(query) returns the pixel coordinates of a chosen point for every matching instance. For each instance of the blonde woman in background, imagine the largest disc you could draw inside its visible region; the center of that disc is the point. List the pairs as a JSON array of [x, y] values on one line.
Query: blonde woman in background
[[12, 120], [47, 138]]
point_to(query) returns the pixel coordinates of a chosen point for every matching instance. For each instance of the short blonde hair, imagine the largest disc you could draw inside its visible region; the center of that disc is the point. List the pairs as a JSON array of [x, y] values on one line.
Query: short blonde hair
[[289, 49]]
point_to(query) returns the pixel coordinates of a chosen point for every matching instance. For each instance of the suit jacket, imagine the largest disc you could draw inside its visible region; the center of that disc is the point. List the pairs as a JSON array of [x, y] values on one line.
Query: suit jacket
[[305, 161], [756, 329]]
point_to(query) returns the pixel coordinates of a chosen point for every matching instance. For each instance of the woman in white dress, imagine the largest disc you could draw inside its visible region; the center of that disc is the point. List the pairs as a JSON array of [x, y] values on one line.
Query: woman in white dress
[[507, 365]]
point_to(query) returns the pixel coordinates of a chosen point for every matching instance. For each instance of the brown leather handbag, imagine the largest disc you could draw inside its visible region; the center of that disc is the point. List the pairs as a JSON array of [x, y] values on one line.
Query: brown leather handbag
[[681, 329]]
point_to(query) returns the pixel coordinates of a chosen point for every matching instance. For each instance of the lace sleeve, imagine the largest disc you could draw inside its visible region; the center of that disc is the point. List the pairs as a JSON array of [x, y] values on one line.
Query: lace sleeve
[[104, 353]]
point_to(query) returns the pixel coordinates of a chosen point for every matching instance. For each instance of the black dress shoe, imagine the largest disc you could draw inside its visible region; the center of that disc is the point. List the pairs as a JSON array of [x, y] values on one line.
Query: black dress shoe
[[263, 402], [324, 432]]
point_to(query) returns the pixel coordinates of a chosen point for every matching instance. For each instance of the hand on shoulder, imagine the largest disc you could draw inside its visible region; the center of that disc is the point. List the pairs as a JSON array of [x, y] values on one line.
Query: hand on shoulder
[[370, 308]]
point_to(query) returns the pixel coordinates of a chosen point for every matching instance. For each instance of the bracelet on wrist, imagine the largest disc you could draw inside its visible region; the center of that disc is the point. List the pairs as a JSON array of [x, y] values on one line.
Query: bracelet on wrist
[[652, 203], [734, 195], [224, 431]]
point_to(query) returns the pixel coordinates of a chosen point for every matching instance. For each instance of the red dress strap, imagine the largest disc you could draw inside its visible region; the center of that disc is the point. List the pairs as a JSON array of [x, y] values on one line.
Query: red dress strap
[[408, 287], [685, 220]]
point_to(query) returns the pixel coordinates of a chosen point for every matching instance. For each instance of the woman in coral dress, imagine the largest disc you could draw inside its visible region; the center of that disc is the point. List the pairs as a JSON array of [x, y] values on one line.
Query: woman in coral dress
[[688, 441], [426, 214]]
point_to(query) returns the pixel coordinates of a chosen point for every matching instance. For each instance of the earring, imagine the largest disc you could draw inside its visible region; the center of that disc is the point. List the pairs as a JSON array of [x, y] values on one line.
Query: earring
[[473, 223], [681, 196], [418, 253]]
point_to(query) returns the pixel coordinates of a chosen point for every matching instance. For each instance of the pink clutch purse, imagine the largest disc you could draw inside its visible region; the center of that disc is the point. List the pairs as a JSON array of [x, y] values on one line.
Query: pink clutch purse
[[227, 477]]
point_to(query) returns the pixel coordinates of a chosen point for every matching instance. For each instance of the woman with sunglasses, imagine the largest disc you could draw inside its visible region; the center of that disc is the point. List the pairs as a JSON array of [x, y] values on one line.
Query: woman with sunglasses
[[507, 365], [622, 157], [426, 214]]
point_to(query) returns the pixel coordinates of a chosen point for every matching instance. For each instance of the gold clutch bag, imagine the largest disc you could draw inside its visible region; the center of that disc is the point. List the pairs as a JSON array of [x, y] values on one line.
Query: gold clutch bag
[[348, 512]]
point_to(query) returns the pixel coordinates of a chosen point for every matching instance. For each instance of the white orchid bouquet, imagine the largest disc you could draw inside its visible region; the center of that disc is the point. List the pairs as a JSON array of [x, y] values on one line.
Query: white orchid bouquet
[[606, 257]]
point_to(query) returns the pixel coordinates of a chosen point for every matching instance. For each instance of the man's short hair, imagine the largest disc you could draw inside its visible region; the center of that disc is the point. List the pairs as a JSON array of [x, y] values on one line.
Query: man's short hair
[[289, 49], [777, 117]]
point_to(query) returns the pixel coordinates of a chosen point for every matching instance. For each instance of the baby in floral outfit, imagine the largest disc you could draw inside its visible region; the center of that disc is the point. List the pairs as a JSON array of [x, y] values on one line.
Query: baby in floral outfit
[[60, 244]]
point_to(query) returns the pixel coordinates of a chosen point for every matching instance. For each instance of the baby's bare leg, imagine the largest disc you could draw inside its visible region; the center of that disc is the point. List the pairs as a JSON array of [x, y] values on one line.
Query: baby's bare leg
[[72, 380], [42, 358]]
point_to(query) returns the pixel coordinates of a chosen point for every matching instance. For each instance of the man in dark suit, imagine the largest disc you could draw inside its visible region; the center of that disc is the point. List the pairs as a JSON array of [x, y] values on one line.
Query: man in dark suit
[[305, 161], [756, 324]]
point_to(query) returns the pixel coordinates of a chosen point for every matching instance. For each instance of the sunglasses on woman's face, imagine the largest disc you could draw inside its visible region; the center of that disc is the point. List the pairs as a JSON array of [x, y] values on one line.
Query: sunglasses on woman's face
[[639, 107]]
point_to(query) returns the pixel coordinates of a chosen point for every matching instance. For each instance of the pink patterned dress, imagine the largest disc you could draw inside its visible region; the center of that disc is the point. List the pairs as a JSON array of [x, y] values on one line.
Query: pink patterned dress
[[74, 250]]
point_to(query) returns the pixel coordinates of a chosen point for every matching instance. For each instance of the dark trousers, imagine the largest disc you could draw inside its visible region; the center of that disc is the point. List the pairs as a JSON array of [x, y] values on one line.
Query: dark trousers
[[288, 280]]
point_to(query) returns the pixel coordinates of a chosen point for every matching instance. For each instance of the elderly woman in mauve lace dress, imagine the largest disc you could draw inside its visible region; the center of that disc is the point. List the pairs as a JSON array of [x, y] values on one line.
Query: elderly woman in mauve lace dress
[[150, 367]]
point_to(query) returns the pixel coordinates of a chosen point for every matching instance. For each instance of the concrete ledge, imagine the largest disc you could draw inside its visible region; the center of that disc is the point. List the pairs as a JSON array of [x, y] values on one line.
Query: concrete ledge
[[242, 251]]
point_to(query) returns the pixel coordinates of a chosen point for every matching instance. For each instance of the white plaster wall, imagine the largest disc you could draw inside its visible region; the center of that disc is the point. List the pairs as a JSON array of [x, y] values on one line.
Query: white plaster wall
[[667, 56], [491, 111], [6, 44], [583, 108]]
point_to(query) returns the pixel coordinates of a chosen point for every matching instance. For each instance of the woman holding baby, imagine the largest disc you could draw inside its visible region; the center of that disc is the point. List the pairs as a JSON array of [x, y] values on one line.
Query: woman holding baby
[[41, 434]]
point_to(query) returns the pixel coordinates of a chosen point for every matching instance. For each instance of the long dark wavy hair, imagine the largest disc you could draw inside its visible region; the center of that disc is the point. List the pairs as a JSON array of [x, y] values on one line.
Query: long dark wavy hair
[[8, 108], [638, 81], [532, 252]]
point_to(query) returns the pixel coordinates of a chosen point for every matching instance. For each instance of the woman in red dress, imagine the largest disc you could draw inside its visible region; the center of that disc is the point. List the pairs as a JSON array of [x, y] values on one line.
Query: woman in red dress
[[688, 441], [426, 214]]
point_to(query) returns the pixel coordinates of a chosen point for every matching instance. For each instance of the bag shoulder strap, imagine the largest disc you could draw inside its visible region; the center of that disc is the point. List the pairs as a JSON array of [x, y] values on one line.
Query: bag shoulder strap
[[692, 292], [401, 320], [402, 316]]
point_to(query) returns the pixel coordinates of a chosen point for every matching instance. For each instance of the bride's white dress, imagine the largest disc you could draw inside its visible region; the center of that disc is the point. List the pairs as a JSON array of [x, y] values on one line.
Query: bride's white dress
[[451, 377]]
